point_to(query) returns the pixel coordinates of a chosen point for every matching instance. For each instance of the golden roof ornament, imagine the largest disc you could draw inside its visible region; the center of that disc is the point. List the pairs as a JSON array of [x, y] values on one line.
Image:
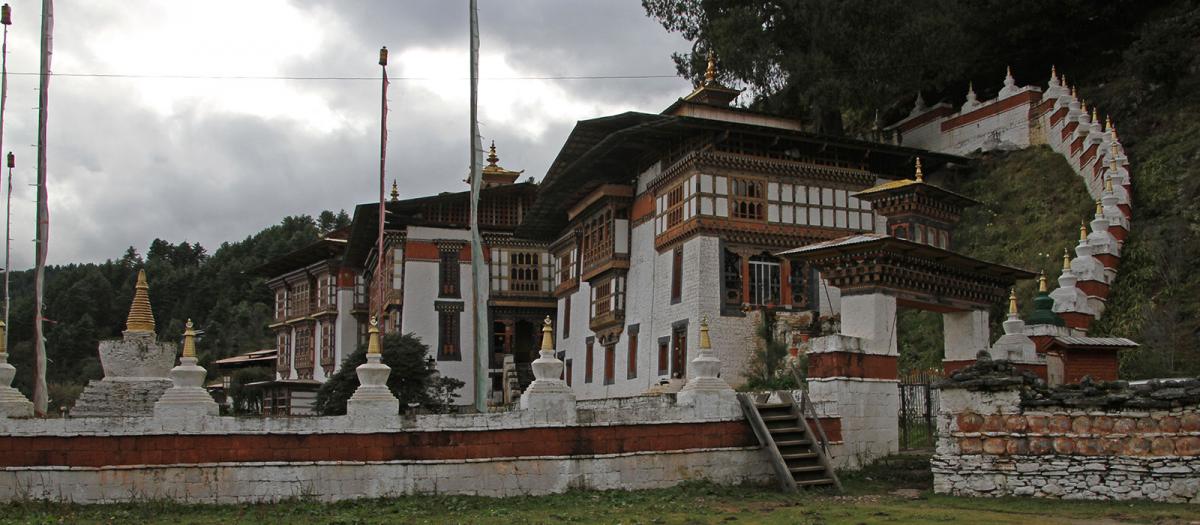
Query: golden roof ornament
[[373, 337], [1083, 107], [1099, 208], [141, 317], [920, 174], [395, 191], [492, 158], [1012, 301], [1066, 260], [189, 340], [1042, 282], [1053, 72], [547, 336], [1082, 231], [1095, 115], [1074, 94], [710, 73], [1108, 122], [705, 342], [1108, 187]]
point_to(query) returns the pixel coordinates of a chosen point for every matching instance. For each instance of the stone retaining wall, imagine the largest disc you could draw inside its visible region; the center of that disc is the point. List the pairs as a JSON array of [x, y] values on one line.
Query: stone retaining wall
[[628, 443], [1006, 436]]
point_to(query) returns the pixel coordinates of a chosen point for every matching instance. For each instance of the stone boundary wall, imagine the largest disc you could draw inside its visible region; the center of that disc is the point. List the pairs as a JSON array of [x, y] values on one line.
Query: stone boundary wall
[[619, 443], [1002, 437]]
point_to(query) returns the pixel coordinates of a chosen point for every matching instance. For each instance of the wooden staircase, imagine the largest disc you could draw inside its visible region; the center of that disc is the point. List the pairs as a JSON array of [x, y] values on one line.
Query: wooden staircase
[[799, 456]]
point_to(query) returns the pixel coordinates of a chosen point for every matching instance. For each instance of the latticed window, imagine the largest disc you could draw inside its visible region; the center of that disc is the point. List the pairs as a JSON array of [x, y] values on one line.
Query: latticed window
[[602, 298], [798, 280], [675, 206], [731, 273], [448, 347], [448, 273], [746, 199], [520, 271], [598, 237], [284, 355], [764, 281], [328, 346]]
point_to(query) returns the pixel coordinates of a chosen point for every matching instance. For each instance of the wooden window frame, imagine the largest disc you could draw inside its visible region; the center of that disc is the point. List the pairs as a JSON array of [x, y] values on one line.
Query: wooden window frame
[[762, 268], [449, 331], [747, 199], [448, 273], [631, 357], [675, 202], [610, 365], [677, 275], [589, 360]]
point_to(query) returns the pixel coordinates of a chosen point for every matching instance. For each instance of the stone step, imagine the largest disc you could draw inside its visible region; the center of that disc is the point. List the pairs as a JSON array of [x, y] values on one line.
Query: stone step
[[771, 406], [797, 456], [786, 430]]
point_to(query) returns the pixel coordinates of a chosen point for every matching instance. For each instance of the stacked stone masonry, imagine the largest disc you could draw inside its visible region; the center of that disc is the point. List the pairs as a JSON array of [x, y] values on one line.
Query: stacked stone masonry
[[1109, 442]]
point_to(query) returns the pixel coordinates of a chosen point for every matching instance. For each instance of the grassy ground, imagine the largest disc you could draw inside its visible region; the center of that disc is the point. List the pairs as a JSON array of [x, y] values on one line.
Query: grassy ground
[[872, 497]]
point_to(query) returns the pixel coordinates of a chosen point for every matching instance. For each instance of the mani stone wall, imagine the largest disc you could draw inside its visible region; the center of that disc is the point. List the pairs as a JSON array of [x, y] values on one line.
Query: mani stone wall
[[633, 443], [1001, 433]]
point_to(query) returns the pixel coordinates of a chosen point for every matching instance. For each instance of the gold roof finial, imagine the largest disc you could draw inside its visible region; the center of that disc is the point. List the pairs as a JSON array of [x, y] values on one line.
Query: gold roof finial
[[1074, 94], [1042, 282], [1113, 129], [705, 342], [395, 191], [1066, 260], [1083, 107], [189, 340], [141, 317], [920, 174], [1095, 115], [547, 336], [1053, 71], [710, 73], [1012, 301], [1108, 122], [1099, 208], [492, 158], [373, 346], [1082, 231], [1108, 187]]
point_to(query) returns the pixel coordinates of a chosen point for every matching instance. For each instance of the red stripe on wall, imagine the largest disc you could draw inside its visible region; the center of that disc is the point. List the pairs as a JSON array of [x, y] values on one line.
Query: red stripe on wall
[[99, 451]]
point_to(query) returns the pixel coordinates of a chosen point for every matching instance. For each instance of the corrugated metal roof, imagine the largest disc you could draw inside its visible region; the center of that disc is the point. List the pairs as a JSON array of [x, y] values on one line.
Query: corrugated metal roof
[[1116, 342]]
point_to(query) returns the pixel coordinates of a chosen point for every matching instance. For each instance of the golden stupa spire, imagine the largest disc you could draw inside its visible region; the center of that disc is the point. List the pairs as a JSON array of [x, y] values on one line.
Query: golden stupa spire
[[141, 317], [1113, 129], [1099, 208], [492, 158], [189, 340], [1095, 115], [1108, 187], [1074, 94], [705, 342], [1083, 107], [1053, 71], [395, 191], [1012, 301], [920, 174], [547, 336], [1066, 260], [710, 73], [1108, 122], [373, 346], [1082, 231], [1042, 282]]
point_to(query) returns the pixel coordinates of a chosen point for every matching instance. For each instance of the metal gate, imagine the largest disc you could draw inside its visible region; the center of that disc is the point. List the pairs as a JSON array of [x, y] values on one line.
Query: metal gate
[[918, 408]]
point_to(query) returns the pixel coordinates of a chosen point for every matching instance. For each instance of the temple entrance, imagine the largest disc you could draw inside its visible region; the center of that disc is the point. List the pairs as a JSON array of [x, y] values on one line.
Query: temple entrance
[[679, 352], [918, 405]]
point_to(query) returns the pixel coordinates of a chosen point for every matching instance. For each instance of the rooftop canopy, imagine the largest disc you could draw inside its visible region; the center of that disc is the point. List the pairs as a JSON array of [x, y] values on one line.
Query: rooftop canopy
[[918, 275]]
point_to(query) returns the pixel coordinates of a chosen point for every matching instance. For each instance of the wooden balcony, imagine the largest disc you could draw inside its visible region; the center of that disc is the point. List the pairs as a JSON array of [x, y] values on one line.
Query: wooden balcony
[[607, 319], [599, 265]]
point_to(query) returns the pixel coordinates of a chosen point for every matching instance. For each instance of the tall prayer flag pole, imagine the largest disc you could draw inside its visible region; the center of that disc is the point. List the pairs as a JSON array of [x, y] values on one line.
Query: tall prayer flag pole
[[383, 109], [5, 20], [479, 290], [43, 215]]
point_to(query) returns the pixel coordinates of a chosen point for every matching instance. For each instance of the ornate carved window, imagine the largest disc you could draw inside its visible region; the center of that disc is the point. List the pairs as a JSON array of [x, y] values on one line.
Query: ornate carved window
[[448, 330], [675, 206], [448, 272], [798, 279], [597, 238], [328, 347], [747, 199], [602, 298], [764, 281], [731, 274], [520, 271], [283, 363]]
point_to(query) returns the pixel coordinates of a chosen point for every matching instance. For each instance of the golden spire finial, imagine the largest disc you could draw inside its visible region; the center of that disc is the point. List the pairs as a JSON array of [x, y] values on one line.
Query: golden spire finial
[[1082, 231], [1042, 282], [547, 336], [395, 191], [1053, 72], [710, 73], [1083, 107], [1108, 187], [920, 174], [3, 339], [1074, 94], [492, 158], [1113, 129], [1108, 122], [1012, 301], [1063, 83], [141, 317], [1099, 208], [373, 346], [1066, 260], [189, 340], [705, 342], [1008, 71], [1095, 115]]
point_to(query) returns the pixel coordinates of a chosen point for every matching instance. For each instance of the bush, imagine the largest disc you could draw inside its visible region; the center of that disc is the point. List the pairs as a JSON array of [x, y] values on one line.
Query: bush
[[414, 378]]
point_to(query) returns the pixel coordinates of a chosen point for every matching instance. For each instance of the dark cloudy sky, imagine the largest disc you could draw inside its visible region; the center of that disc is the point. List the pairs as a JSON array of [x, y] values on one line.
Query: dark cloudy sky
[[211, 160]]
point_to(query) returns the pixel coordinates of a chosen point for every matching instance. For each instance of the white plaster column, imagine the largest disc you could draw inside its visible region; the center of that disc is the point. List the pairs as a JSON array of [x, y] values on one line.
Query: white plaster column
[[964, 334], [187, 398], [12, 403], [548, 394], [372, 397], [871, 318], [704, 388]]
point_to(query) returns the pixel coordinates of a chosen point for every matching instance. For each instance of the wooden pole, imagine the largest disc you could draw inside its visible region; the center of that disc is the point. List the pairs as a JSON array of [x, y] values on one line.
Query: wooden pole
[[479, 289], [42, 238]]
